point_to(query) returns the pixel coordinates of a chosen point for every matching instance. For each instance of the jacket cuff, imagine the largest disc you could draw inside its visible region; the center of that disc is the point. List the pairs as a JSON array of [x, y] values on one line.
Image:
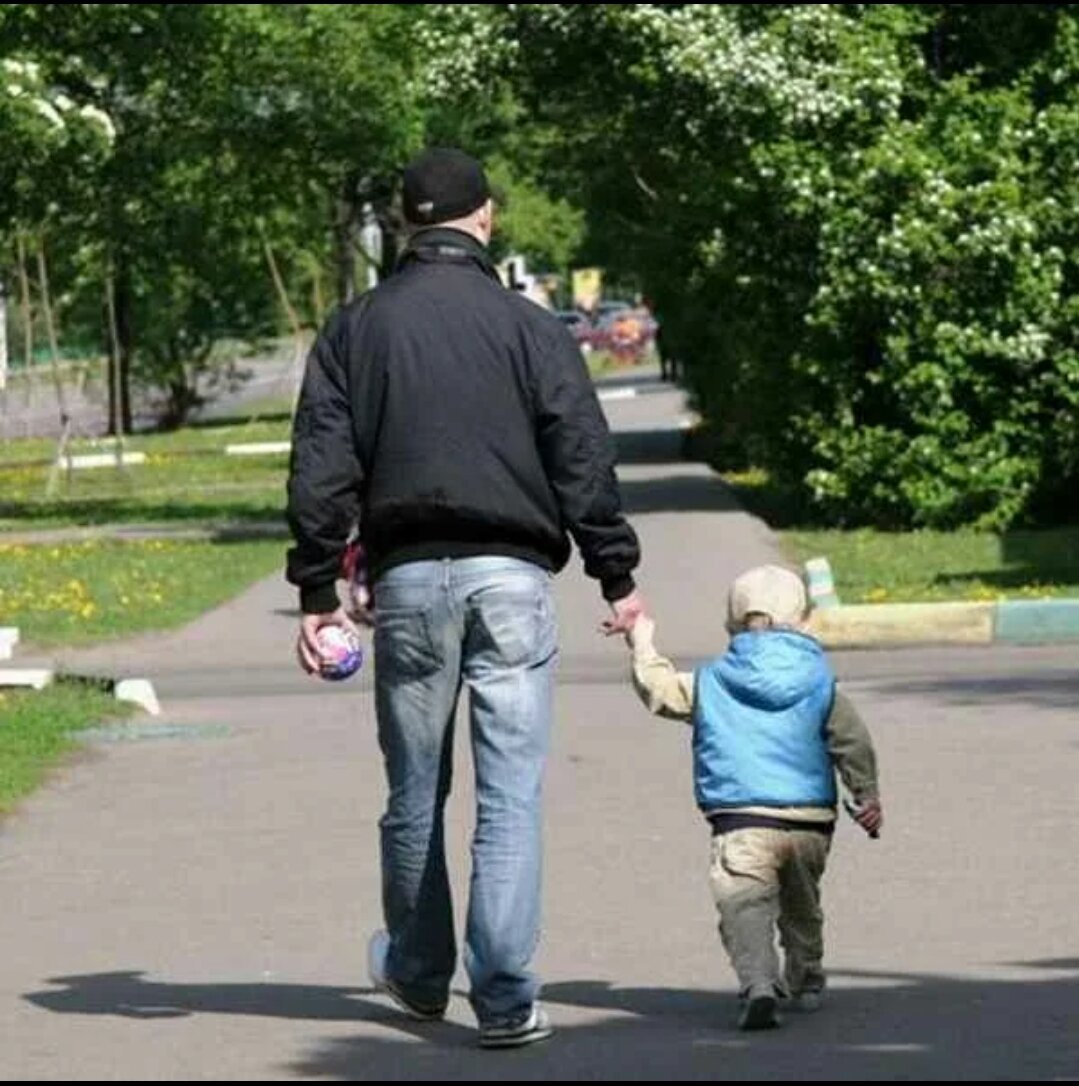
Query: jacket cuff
[[319, 599], [617, 587], [641, 639]]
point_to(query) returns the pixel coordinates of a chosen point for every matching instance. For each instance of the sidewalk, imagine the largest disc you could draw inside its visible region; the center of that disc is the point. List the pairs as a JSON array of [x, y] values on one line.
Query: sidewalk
[[191, 899]]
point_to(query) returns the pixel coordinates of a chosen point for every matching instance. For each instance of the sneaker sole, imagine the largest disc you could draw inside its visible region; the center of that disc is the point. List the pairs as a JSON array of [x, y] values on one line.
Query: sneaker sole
[[417, 1014], [375, 966], [517, 1040]]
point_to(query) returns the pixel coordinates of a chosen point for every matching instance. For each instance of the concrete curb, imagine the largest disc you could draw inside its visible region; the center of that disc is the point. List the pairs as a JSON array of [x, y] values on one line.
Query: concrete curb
[[138, 691], [955, 622], [880, 625]]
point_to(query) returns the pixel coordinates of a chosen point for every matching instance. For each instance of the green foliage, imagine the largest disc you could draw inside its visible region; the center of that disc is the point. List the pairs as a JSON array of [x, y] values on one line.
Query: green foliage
[[231, 129], [897, 567], [859, 225]]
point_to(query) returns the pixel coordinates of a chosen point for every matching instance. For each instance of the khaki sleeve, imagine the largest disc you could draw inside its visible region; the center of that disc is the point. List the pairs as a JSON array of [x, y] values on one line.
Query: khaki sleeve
[[666, 691], [852, 750]]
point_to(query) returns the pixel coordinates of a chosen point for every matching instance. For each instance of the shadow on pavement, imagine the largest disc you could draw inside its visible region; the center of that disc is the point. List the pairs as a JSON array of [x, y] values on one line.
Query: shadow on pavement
[[1044, 691], [678, 494], [874, 1026], [659, 446]]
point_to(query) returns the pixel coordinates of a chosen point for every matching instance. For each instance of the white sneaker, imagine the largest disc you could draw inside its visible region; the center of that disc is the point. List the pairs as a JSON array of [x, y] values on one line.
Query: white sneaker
[[378, 947], [536, 1027]]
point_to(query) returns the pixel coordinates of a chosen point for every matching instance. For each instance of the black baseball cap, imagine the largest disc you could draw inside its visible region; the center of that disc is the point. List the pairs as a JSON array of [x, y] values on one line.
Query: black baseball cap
[[443, 183]]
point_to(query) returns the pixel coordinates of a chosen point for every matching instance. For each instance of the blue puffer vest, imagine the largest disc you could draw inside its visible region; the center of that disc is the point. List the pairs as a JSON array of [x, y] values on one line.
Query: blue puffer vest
[[759, 724]]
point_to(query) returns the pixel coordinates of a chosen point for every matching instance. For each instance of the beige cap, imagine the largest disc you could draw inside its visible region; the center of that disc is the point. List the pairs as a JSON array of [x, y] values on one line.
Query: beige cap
[[775, 591]]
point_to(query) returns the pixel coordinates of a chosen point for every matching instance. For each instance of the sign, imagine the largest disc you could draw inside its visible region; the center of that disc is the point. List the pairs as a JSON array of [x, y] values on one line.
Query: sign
[[587, 288]]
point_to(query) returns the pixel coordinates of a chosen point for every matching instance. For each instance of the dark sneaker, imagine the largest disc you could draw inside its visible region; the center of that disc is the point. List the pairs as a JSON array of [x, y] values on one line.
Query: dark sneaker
[[759, 1010], [536, 1027], [377, 948]]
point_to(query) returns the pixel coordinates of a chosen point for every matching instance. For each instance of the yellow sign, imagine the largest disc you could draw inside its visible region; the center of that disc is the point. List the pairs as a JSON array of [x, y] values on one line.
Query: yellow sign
[[587, 287]]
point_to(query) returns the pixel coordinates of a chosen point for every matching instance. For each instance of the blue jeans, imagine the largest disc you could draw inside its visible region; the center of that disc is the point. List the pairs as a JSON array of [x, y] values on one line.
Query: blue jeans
[[487, 622]]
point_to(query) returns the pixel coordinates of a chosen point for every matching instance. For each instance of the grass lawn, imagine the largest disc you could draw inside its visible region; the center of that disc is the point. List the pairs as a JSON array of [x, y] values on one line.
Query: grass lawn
[[74, 593], [896, 567], [194, 438], [893, 567], [37, 727], [175, 483]]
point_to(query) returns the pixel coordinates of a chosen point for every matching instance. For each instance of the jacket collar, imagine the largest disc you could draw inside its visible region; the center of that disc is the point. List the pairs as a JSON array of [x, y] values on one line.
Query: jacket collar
[[442, 245]]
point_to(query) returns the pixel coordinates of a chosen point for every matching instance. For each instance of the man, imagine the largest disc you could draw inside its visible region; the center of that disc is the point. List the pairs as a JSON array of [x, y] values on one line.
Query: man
[[456, 422]]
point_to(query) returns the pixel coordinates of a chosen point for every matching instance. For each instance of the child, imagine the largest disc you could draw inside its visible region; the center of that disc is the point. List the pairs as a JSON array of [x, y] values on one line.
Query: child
[[769, 731]]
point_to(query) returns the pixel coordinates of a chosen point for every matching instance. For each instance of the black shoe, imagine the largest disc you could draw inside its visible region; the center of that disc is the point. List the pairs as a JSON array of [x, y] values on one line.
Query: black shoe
[[377, 949], [759, 1011]]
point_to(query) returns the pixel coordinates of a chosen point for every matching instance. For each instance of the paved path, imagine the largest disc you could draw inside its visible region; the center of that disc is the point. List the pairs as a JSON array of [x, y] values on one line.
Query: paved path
[[190, 898]]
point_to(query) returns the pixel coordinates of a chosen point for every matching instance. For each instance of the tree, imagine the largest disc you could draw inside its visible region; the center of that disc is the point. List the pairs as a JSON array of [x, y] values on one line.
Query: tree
[[858, 222]]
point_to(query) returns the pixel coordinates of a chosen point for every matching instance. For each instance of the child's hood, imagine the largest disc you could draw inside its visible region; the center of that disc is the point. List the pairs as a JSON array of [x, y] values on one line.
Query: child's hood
[[773, 669]]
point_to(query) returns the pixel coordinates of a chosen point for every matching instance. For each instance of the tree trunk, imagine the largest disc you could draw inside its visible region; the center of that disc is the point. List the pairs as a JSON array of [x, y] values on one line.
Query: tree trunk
[[27, 317], [51, 333], [345, 221], [125, 339], [394, 239], [3, 340], [116, 428]]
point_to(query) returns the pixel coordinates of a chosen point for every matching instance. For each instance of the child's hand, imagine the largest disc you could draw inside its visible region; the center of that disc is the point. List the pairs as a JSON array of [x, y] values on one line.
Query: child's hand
[[641, 632], [624, 614], [869, 815]]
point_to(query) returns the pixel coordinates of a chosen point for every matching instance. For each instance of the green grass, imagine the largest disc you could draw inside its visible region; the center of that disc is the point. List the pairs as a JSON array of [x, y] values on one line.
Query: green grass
[[195, 439], [38, 727], [75, 593], [167, 487], [603, 363], [872, 566], [893, 567]]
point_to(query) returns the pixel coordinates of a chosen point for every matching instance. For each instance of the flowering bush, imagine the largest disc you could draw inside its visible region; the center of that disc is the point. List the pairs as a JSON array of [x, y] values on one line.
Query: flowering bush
[[861, 225]]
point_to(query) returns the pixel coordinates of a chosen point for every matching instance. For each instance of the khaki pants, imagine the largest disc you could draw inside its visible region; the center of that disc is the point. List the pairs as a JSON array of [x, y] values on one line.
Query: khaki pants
[[762, 878]]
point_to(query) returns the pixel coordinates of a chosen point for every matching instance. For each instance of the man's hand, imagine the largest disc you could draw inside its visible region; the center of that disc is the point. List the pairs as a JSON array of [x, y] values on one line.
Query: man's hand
[[626, 611], [307, 651]]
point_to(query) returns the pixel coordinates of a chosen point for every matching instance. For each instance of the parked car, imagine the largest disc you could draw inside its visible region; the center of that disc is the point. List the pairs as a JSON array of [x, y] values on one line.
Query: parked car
[[607, 308]]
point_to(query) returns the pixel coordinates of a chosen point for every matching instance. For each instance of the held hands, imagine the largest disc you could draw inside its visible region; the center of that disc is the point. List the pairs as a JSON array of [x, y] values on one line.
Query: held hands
[[624, 614]]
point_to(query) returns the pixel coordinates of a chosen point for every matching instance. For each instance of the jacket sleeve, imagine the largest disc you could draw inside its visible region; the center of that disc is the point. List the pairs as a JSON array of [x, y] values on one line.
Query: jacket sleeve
[[578, 456], [664, 690], [324, 473], [851, 748]]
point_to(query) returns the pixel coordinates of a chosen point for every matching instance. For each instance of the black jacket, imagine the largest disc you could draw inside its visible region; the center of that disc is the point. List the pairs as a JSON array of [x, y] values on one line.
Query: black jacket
[[451, 417]]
